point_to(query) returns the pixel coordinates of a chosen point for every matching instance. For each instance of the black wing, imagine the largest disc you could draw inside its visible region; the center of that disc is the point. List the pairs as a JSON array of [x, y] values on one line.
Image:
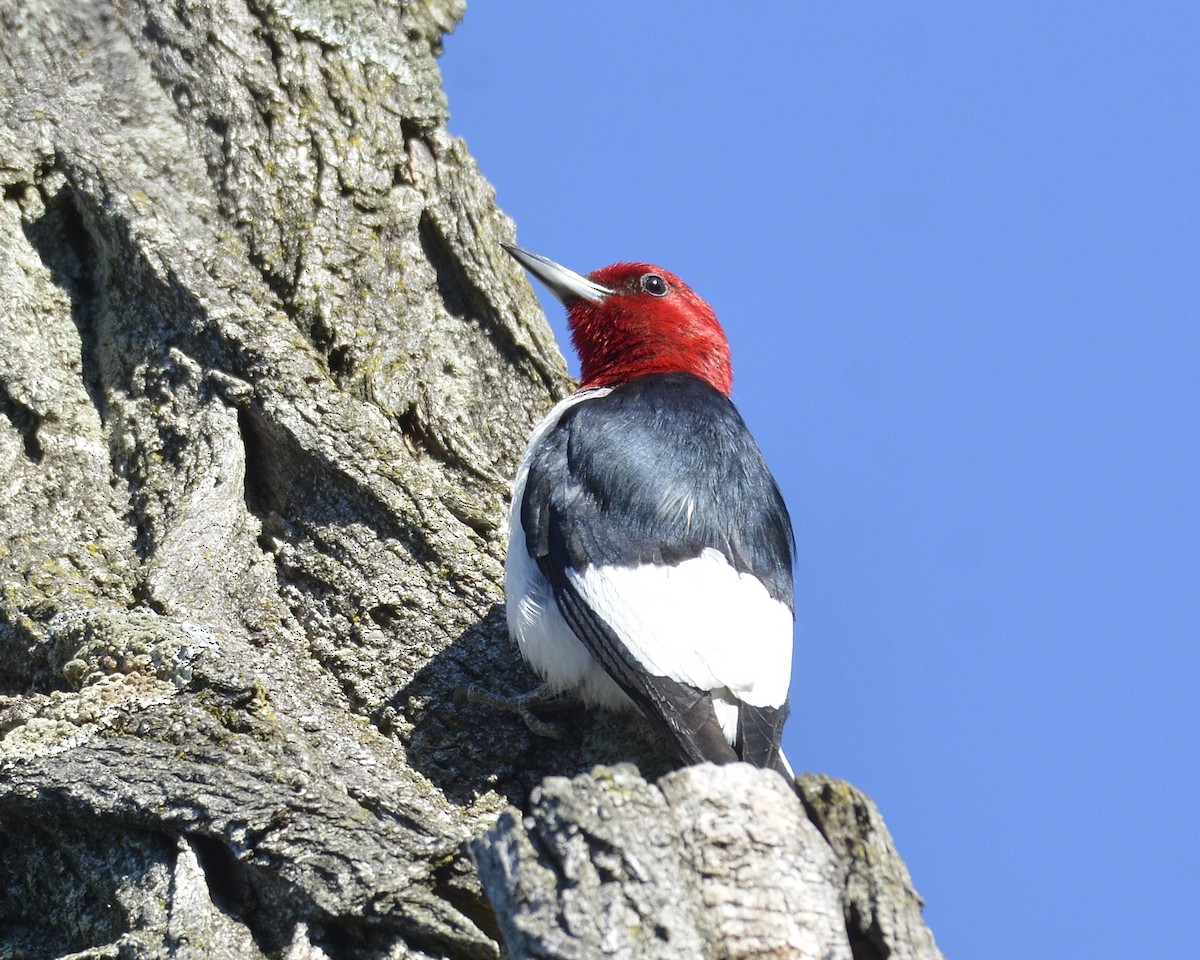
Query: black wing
[[655, 472]]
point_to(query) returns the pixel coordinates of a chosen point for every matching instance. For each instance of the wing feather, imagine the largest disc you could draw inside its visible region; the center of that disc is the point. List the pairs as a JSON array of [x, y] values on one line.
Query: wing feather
[[668, 548]]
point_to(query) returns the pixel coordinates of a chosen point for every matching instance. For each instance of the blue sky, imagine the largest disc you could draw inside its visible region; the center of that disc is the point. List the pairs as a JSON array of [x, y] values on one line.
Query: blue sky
[[956, 249]]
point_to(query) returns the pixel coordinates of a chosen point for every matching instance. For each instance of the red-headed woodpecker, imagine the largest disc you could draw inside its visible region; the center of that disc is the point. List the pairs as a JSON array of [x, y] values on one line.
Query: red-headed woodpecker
[[650, 554]]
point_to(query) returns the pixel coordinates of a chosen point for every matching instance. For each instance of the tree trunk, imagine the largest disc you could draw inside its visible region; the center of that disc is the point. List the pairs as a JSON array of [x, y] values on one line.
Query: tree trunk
[[264, 374]]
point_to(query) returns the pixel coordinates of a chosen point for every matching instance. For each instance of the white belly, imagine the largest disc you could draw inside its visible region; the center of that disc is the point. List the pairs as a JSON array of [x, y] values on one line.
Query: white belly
[[548, 645], [534, 621]]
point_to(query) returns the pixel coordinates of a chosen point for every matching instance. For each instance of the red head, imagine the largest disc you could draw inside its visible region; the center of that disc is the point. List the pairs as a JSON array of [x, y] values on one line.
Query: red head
[[635, 318]]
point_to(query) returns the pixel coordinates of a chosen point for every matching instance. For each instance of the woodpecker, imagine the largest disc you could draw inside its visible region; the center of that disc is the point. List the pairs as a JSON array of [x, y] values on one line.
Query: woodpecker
[[650, 552]]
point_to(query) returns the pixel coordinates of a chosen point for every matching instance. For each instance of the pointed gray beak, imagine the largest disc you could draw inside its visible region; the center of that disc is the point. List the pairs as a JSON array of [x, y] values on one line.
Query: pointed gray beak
[[565, 284]]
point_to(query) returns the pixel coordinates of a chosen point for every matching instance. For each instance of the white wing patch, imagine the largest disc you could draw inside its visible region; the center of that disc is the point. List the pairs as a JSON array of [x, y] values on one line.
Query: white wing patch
[[699, 622]]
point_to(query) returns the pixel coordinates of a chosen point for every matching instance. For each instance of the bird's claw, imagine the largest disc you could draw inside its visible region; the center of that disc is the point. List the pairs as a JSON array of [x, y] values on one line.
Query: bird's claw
[[522, 704]]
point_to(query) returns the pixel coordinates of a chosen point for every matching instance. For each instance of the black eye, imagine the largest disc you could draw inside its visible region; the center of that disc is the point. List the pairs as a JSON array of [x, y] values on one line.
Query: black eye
[[654, 285]]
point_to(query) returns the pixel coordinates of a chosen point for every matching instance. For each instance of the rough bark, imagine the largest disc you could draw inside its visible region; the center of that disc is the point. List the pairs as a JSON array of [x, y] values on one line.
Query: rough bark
[[716, 861], [264, 371]]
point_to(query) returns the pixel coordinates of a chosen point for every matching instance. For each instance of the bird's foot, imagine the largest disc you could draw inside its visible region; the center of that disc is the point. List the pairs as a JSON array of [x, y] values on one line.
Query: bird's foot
[[522, 704]]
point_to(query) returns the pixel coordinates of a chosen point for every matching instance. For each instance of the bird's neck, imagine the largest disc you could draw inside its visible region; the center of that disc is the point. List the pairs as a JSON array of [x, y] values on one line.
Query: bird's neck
[[621, 366]]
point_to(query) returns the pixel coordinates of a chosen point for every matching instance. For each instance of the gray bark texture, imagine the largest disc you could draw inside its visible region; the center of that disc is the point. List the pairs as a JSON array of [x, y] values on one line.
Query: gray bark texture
[[264, 374]]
